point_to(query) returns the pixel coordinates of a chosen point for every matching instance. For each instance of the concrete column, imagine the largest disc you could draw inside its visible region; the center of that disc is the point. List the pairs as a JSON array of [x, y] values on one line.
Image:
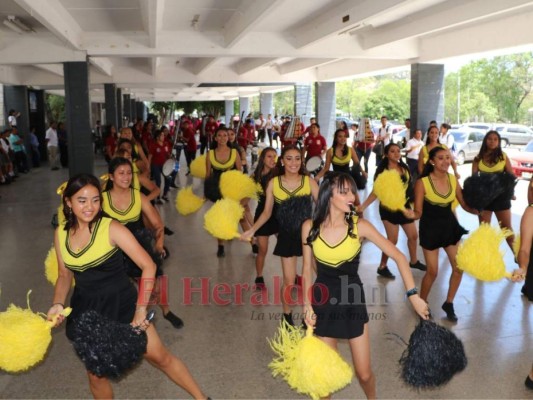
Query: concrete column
[[3, 116], [141, 110], [244, 105], [126, 107], [325, 105], [120, 109], [133, 109], [266, 103], [78, 115], [303, 101], [427, 95], [228, 110], [16, 98], [37, 120], [111, 114]]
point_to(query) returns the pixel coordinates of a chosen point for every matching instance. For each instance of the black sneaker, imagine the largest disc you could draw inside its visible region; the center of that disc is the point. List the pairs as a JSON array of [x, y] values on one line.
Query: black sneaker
[[418, 265], [158, 201], [385, 272], [450, 312], [529, 383], [255, 248], [220, 251], [259, 283], [168, 231], [176, 321], [165, 198], [288, 318], [173, 185]]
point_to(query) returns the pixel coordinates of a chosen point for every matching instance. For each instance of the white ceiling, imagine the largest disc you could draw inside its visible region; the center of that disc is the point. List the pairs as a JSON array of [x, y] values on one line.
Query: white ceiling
[[154, 50]]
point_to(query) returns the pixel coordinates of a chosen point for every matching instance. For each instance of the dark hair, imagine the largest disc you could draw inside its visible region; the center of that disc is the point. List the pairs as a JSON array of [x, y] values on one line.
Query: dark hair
[[134, 155], [280, 169], [215, 143], [332, 180], [74, 185], [384, 163], [335, 142], [258, 177], [427, 135], [112, 167], [316, 124], [445, 125], [494, 156], [428, 167]]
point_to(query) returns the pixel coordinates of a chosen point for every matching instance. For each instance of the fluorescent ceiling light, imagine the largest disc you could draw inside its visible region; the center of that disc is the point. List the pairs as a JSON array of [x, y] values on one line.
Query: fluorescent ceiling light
[[17, 25]]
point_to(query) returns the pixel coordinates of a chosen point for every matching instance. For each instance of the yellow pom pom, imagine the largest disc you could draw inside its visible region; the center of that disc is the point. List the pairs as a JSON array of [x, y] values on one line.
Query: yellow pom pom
[[61, 188], [390, 190], [480, 255], [51, 270], [198, 167], [187, 202], [222, 219], [307, 364], [237, 186], [516, 245]]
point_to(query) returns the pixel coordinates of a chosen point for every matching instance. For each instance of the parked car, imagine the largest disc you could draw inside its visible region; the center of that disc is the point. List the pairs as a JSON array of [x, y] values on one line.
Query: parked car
[[522, 162], [348, 121], [467, 143], [401, 137], [514, 134], [481, 126]]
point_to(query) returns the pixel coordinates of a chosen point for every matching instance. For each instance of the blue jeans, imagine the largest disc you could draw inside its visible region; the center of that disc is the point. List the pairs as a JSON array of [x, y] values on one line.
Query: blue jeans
[[363, 154]]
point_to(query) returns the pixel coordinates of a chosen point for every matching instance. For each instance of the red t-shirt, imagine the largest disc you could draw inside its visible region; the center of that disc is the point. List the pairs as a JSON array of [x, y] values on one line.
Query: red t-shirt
[[210, 128], [188, 134], [160, 153], [314, 145], [111, 141], [246, 135]]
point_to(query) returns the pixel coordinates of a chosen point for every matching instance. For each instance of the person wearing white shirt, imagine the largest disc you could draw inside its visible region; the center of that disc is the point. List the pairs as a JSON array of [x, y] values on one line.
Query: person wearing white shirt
[[383, 138], [445, 137], [52, 145], [412, 149], [12, 118]]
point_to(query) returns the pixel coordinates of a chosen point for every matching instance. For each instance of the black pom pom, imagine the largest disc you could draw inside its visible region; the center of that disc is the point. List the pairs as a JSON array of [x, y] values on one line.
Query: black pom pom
[[212, 188], [107, 348], [481, 189], [292, 213], [434, 355]]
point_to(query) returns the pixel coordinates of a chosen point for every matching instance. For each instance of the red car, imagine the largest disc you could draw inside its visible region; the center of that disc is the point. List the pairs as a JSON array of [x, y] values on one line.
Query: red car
[[522, 162]]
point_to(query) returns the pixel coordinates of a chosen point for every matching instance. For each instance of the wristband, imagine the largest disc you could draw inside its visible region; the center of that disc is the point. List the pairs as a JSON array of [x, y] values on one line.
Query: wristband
[[411, 292], [60, 304]]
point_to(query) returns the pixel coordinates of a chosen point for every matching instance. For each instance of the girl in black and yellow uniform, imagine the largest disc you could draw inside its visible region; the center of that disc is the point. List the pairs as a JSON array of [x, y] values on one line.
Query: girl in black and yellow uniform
[[432, 141], [492, 160], [144, 162], [220, 158], [262, 175], [289, 181], [89, 247], [333, 237], [392, 160], [129, 207], [435, 192], [339, 155]]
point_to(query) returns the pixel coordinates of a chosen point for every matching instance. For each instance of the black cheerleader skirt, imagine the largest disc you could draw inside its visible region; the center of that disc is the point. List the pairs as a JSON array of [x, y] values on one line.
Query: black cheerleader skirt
[[439, 227]]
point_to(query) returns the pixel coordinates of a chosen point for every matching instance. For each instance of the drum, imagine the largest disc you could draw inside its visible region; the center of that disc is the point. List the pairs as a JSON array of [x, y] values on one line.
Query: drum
[[168, 166], [314, 165]]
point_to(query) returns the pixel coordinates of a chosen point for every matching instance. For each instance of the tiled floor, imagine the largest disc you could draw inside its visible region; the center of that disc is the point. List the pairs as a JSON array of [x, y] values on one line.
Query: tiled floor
[[225, 345]]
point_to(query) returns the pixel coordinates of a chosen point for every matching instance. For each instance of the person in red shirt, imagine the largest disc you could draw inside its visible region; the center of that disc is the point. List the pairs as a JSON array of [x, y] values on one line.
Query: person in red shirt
[[308, 129], [110, 143], [191, 146], [246, 134], [298, 132], [159, 154], [207, 136], [314, 144]]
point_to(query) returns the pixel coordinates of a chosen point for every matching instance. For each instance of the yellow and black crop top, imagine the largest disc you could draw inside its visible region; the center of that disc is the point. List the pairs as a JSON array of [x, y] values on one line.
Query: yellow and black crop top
[[282, 194], [97, 251], [342, 160], [425, 152], [436, 198], [334, 255], [135, 176], [130, 214], [496, 168], [223, 166]]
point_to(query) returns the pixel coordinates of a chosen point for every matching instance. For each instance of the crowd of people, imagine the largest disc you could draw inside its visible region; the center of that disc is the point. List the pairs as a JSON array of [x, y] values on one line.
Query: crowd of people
[[315, 215]]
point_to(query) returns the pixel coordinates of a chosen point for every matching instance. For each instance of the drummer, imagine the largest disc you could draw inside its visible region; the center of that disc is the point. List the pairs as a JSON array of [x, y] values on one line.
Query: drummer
[[314, 144]]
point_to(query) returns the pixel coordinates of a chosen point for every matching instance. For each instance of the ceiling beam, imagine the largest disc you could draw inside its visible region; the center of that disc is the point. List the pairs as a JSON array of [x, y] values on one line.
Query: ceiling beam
[[154, 65], [242, 21], [103, 64], [56, 19], [303, 63], [444, 16], [27, 49], [152, 16], [346, 69], [330, 22], [250, 64], [202, 64], [53, 68]]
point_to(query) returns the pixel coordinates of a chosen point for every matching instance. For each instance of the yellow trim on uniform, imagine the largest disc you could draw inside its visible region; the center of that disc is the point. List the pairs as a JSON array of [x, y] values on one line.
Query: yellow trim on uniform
[[334, 255], [281, 193], [425, 152], [341, 161], [130, 214], [223, 166], [436, 198], [496, 168], [97, 250]]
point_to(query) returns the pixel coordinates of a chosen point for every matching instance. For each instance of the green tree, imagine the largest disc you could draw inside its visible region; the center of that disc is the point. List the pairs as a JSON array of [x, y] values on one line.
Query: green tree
[[284, 102], [54, 107]]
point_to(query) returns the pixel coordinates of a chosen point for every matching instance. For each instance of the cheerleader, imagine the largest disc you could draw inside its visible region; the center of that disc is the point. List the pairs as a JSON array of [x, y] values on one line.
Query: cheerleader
[[525, 261], [219, 159], [333, 237], [262, 175], [392, 160], [432, 141], [144, 163], [290, 182], [435, 192], [340, 155], [492, 160], [232, 142], [129, 206], [89, 248]]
